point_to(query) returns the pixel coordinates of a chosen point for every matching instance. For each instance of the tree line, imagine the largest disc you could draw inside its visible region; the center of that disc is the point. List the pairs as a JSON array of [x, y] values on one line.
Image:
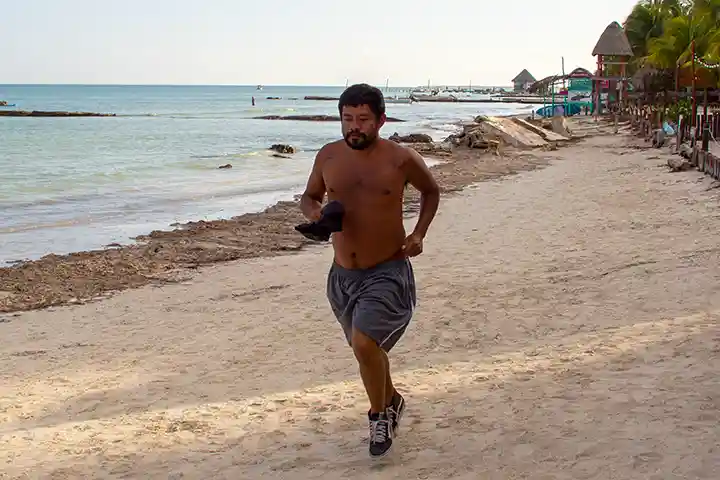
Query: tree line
[[662, 32]]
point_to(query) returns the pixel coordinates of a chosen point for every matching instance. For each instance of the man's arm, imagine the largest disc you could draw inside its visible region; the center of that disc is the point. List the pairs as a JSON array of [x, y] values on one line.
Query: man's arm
[[314, 194], [420, 177]]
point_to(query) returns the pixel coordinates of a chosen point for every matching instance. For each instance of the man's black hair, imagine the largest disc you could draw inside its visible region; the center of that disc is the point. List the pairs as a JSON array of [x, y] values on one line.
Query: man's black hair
[[363, 94]]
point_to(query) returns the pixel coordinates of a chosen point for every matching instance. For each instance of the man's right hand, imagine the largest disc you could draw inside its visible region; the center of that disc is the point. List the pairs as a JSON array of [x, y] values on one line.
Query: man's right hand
[[311, 209], [314, 214]]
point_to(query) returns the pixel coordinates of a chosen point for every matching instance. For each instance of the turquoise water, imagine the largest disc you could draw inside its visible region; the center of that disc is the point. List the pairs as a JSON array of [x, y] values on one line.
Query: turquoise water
[[71, 184]]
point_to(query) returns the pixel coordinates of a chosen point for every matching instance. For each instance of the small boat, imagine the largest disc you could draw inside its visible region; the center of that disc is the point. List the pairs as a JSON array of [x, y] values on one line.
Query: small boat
[[259, 87], [434, 98], [396, 99], [567, 109]]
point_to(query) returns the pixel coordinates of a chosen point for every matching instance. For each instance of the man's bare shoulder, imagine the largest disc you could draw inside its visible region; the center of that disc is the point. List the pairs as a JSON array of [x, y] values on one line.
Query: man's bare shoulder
[[331, 149], [326, 154], [400, 153]]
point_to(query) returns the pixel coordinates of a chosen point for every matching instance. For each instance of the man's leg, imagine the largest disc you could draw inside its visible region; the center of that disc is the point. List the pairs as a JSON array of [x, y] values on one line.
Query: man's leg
[[394, 402], [389, 388], [379, 319], [373, 370], [370, 378]]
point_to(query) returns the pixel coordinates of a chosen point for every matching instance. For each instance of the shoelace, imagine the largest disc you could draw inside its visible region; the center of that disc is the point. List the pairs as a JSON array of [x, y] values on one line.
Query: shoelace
[[379, 431], [391, 413]]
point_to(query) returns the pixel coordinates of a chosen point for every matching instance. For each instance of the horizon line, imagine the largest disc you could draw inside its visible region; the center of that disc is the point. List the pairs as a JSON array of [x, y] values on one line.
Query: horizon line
[[226, 85]]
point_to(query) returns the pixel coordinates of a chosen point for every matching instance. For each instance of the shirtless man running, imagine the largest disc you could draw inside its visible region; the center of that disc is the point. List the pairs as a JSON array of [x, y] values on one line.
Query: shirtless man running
[[370, 286]]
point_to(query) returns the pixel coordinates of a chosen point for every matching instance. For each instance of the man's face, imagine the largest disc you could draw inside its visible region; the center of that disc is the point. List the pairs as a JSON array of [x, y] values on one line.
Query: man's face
[[360, 126]]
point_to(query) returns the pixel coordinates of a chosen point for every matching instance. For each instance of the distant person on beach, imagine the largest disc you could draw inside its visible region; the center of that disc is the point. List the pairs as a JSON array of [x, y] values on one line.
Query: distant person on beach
[[370, 285], [253, 101]]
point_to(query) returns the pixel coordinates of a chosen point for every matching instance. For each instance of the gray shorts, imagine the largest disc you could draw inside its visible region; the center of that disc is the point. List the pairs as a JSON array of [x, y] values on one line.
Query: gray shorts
[[378, 301]]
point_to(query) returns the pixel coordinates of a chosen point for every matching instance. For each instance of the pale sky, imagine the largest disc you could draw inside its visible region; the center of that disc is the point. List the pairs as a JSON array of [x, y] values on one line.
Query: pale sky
[[297, 42]]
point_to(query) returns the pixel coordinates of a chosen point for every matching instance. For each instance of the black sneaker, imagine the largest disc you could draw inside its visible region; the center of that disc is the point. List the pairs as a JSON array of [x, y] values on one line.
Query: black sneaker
[[395, 411], [380, 434]]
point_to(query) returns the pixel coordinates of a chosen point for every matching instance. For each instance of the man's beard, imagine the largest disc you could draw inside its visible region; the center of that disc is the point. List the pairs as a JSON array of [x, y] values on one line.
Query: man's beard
[[359, 141]]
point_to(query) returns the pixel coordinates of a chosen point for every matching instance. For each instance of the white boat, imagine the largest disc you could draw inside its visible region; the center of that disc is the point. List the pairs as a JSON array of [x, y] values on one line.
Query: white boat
[[456, 94], [396, 99], [433, 97]]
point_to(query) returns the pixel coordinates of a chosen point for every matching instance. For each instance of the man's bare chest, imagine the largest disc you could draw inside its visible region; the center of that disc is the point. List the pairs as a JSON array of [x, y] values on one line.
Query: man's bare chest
[[372, 183]]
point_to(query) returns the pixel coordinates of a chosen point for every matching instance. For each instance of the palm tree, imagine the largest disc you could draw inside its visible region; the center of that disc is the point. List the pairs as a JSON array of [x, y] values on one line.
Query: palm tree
[[661, 33], [710, 9], [674, 47], [708, 13], [647, 22]]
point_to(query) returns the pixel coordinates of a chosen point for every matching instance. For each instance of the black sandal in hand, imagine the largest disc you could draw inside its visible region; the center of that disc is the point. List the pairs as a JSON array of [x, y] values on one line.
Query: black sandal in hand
[[329, 222]]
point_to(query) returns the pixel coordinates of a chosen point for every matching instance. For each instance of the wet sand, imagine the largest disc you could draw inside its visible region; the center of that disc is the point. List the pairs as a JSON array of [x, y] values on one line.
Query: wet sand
[[567, 329]]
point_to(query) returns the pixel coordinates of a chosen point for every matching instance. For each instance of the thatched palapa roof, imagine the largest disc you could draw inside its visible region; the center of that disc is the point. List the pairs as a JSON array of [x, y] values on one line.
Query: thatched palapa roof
[[613, 41], [548, 81], [544, 83], [523, 77]]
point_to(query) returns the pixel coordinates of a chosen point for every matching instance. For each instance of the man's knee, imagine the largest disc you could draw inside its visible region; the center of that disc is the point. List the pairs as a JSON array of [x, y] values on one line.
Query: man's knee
[[364, 347]]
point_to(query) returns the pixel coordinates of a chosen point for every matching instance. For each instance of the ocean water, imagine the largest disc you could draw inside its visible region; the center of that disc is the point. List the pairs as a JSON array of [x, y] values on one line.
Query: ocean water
[[72, 184]]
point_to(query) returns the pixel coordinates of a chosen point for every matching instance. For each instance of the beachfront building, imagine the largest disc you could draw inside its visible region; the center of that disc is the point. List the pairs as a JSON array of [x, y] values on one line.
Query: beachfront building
[[523, 81], [613, 52]]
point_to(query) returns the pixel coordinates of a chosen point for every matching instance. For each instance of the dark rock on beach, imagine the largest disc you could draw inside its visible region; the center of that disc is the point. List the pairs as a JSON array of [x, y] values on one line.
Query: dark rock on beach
[[227, 165], [473, 137], [434, 149], [282, 148], [686, 151], [679, 164], [313, 118], [412, 138], [423, 144], [38, 113]]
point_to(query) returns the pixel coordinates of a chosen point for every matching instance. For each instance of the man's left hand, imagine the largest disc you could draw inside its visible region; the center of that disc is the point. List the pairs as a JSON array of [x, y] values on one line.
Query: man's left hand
[[413, 245]]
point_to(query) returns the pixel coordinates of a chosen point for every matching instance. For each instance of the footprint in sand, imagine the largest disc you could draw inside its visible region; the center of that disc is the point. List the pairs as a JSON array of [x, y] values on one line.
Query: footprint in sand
[[645, 458]]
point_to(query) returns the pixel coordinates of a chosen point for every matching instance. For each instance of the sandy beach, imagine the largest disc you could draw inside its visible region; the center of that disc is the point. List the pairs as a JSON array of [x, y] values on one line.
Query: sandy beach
[[567, 328]]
